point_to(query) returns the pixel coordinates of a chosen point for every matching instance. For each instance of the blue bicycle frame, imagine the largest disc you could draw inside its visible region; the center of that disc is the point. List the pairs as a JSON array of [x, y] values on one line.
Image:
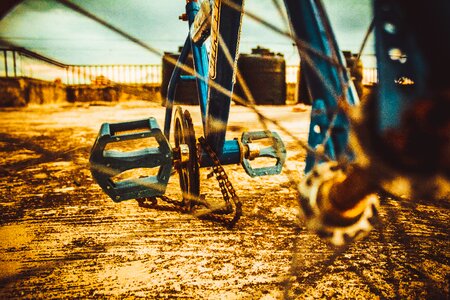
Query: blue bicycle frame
[[327, 78], [311, 27], [215, 78], [214, 104], [327, 82]]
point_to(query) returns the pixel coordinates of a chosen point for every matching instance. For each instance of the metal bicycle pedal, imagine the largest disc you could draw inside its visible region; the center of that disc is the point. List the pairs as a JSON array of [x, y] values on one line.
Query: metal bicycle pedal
[[107, 164], [276, 150]]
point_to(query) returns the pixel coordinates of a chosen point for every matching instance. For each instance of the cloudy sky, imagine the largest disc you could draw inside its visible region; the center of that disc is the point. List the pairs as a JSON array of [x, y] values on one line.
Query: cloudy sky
[[53, 30]]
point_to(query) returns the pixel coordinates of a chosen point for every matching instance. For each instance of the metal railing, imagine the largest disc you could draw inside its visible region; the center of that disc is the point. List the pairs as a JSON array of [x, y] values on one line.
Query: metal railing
[[370, 75], [292, 73], [106, 74], [20, 62]]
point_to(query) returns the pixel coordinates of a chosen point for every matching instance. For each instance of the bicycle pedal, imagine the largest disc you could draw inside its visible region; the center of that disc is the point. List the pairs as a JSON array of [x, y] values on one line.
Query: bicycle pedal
[[109, 167], [268, 145]]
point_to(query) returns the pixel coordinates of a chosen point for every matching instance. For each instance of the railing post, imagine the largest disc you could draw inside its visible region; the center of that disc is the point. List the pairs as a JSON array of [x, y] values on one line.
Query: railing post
[[5, 55], [111, 72], [14, 63]]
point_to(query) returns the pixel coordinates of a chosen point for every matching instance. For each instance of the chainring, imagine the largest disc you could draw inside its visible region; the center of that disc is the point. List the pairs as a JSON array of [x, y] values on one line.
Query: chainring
[[188, 172]]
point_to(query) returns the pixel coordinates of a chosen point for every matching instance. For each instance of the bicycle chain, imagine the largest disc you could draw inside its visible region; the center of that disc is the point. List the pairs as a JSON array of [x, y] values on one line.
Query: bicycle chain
[[152, 202], [226, 188]]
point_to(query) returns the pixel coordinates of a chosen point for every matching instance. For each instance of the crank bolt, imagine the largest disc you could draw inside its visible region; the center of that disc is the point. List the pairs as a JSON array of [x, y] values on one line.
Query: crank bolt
[[183, 17]]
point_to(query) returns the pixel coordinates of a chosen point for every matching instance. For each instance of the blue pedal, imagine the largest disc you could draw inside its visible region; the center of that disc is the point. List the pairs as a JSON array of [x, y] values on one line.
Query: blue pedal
[[108, 165], [252, 151]]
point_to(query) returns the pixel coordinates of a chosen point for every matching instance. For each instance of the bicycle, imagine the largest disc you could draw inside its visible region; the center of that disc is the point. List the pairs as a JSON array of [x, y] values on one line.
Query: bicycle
[[349, 155]]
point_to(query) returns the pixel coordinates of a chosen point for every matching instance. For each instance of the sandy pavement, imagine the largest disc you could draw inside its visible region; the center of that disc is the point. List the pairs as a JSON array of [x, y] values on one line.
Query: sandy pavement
[[62, 237]]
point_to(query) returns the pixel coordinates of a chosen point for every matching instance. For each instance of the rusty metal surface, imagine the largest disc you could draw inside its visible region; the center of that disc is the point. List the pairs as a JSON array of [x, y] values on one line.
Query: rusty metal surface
[[61, 237]]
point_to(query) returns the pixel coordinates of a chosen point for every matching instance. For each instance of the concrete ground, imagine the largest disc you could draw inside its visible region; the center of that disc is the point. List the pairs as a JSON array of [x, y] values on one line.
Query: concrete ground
[[62, 237]]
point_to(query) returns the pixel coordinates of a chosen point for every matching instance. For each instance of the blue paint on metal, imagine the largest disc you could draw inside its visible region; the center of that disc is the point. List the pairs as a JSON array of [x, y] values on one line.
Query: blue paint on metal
[[277, 151], [106, 164], [188, 77], [230, 152], [398, 57], [230, 155], [173, 85], [317, 133], [200, 57], [228, 21], [214, 105], [311, 25]]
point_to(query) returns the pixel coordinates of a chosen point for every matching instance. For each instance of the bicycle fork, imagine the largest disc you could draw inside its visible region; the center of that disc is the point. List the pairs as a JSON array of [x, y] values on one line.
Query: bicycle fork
[[399, 136]]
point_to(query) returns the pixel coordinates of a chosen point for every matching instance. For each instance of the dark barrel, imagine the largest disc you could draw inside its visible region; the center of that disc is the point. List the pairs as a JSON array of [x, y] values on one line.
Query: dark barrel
[[265, 74], [263, 71], [186, 91]]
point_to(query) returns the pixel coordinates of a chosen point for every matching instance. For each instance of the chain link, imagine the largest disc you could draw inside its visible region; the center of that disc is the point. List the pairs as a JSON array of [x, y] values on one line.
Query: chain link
[[226, 188], [233, 204], [152, 202]]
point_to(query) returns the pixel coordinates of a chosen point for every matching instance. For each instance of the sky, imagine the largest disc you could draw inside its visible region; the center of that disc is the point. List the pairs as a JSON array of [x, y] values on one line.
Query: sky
[[53, 30]]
